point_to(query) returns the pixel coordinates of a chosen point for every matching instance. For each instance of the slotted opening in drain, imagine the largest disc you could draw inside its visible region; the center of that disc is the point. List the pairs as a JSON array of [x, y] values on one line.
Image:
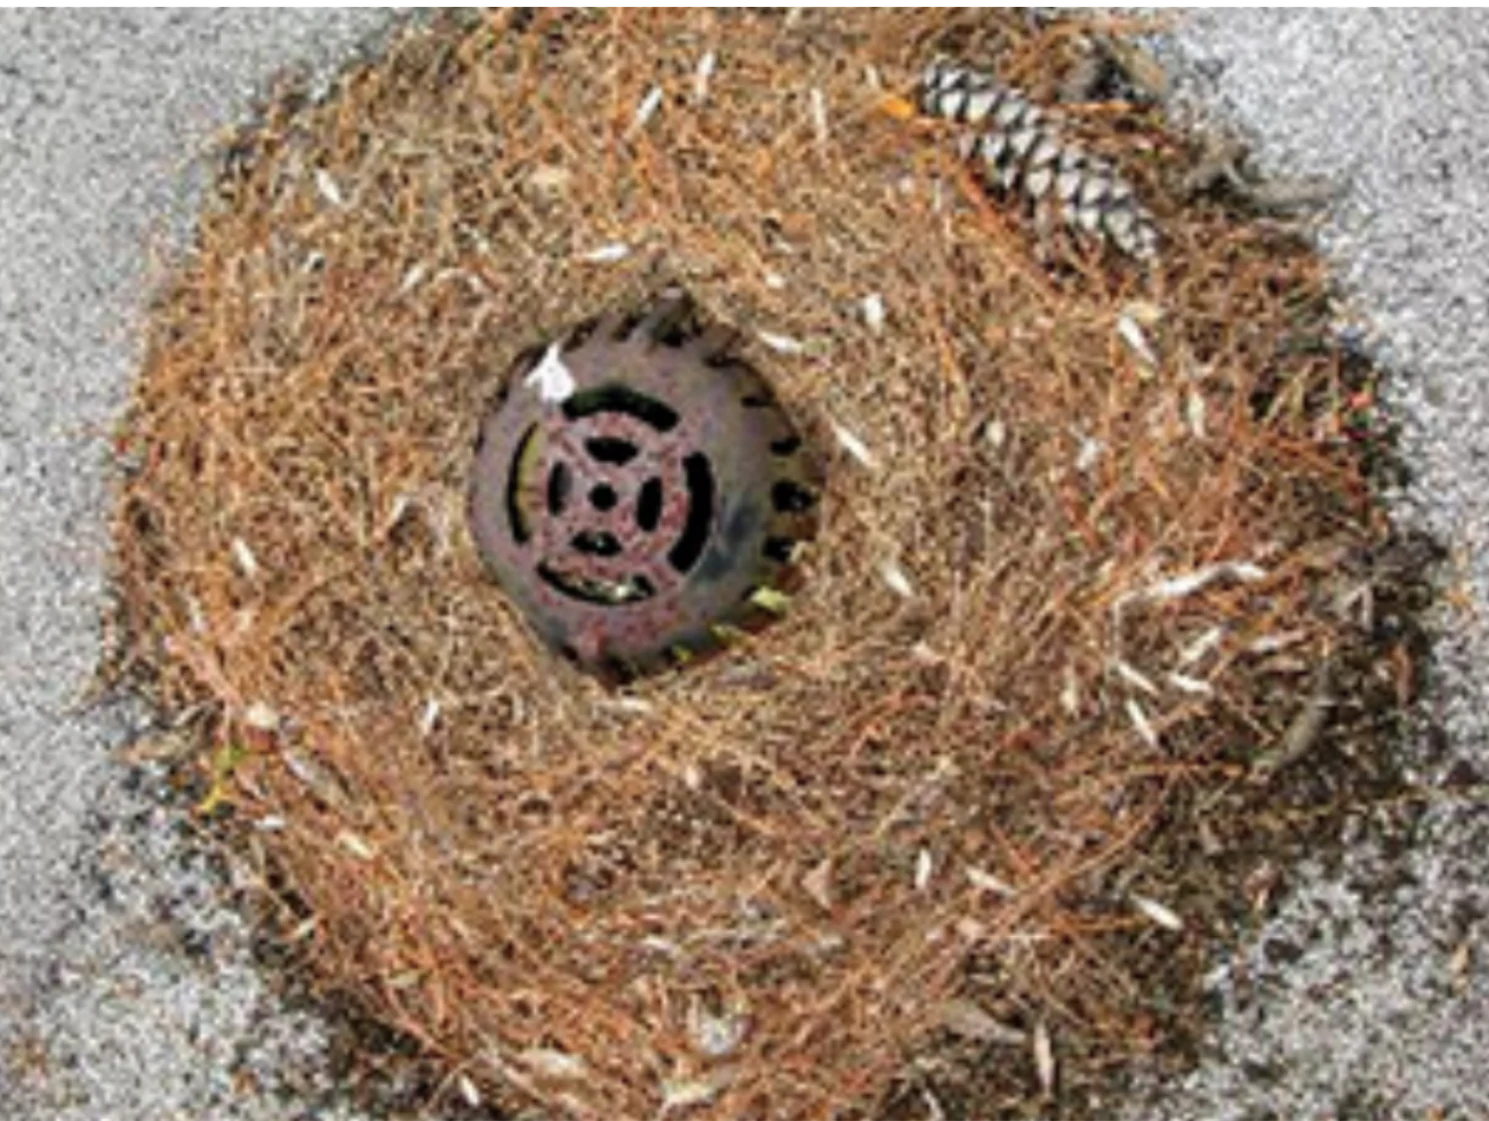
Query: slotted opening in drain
[[790, 497], [516, 520], [699, 475], [589, 589], [597, 543], [610, 449], [616, 398], [560, 482], [649, 505]]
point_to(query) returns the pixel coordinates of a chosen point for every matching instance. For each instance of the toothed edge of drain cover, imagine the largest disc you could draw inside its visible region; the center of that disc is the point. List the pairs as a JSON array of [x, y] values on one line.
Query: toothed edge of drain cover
[[637, 486]]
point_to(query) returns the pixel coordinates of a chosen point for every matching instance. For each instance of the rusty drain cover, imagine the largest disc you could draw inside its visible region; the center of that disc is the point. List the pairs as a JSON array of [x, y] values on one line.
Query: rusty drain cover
[[638, 487]]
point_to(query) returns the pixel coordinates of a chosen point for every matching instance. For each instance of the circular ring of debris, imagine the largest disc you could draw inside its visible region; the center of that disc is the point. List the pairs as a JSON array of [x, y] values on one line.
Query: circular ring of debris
[[639, 491], [968, 818]]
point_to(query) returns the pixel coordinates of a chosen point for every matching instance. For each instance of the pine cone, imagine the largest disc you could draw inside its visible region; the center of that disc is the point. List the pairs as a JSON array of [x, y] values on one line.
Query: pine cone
[[1020, 150]]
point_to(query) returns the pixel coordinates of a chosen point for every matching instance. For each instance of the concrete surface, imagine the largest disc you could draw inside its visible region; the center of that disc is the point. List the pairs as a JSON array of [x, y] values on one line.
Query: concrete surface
[[127, 989]]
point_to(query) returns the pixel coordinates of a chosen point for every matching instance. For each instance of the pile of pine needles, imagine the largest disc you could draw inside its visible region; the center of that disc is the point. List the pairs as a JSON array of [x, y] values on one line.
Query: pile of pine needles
[[1086, 556]]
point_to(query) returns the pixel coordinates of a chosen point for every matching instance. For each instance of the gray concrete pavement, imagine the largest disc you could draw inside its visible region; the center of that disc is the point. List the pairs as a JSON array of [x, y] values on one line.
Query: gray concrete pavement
[[107, 1013], [102, 1016]]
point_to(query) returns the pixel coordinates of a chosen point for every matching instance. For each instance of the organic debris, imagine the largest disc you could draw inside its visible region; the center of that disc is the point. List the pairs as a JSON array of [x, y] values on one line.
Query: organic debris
[[756, 886]]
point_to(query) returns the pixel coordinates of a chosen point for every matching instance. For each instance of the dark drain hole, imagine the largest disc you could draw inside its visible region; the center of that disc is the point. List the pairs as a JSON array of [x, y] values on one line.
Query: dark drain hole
[[610, 449], [615, 398], [649, 505], [560, 482], [689, 547], [789, 498], [779, 549], [597, 543], [521, 531], [601, 593]]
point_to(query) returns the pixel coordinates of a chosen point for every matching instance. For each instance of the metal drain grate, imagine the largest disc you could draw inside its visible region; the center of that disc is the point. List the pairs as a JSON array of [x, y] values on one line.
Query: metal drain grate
[[637, 487]]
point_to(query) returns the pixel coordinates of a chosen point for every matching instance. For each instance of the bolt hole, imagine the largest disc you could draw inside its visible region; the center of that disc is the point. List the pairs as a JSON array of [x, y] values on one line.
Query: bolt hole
[[789, 498], [786, 445], [603, 497]]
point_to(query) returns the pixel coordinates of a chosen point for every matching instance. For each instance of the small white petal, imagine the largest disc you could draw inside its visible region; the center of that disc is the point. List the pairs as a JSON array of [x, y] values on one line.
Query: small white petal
[[854, 446], [328, 188], [553, 1063], [468, 1091], [430, 716], [716, 1035], [412, 278], [1177, 587], [1191, 685], [925, 864], [1135, 677], [1157, 912], [1271, 643], [1194, 413], [262, 717], [895, 577], [963, 1018], [270, 823], [355, 845], [782, 344], [1088, 453], [819, 115], [984, 880], [648, 107], [683, 1093], [607, 254], [1201, 646], [1140, 721], [551, 377], [1044, 1058], [701, 76], [1070, 692], [245, 558], [1137, 342], [873, 311], [774, 281], [818, 884]]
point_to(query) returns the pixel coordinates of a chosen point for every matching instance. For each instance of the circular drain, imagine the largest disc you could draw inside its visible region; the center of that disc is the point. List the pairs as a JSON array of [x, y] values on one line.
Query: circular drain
[[638, 487]]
